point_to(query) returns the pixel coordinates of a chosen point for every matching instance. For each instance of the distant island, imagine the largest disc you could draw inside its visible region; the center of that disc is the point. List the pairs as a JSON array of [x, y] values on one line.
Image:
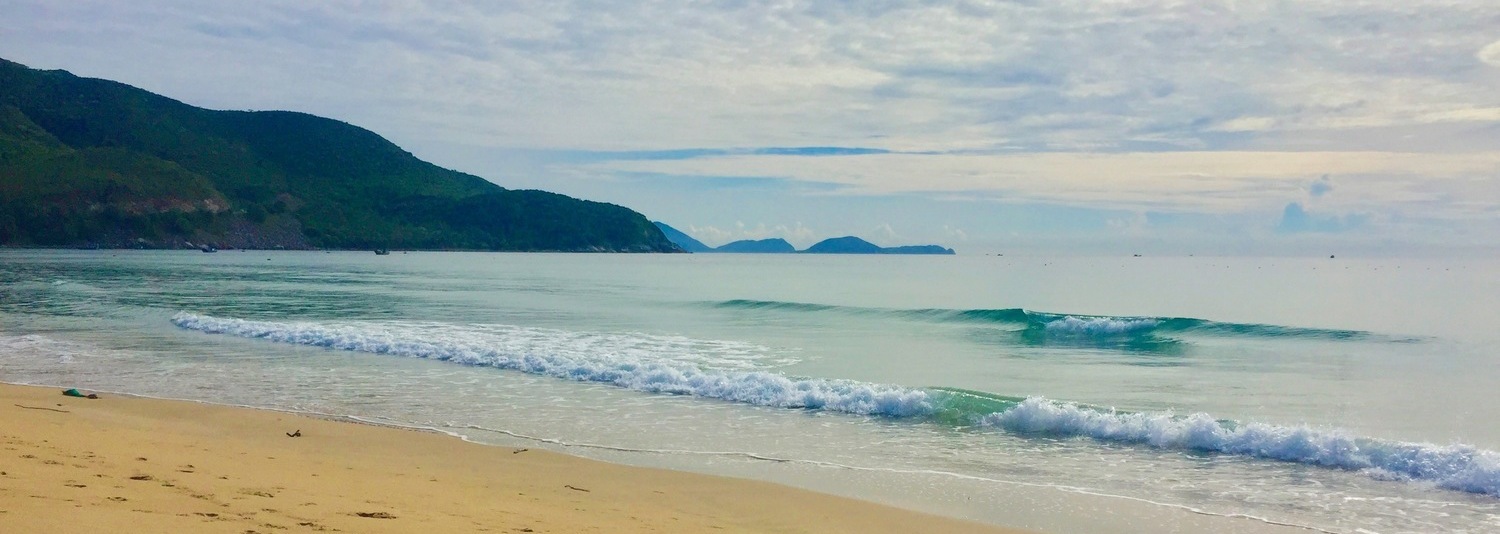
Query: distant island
[[94, 163], [758, 246], [836, 245]]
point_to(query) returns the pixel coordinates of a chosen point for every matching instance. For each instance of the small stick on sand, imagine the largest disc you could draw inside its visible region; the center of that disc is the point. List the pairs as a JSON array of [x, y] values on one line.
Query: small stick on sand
[[42, 408]]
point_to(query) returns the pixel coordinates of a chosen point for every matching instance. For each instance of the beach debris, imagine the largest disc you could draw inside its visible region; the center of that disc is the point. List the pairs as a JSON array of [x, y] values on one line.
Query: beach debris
[[42, 408], [375, 515], [575, 488], [142, 477], [80, 394], [519, 451], [296, 434]]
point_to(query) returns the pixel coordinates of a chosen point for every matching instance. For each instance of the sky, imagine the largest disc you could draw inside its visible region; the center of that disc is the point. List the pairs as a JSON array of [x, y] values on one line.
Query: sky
[[1047, 127]]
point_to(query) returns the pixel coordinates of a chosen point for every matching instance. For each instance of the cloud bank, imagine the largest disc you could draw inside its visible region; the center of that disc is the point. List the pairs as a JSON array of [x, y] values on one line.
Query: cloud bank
[[1216, 110]]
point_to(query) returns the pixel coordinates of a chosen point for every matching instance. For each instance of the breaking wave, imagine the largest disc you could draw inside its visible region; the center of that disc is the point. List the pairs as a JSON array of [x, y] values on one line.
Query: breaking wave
[[1454, 467], [631, 361], [739, 373]]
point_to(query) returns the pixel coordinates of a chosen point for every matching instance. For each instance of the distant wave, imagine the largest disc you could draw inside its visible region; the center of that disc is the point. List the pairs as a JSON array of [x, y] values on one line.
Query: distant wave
[[670, 365], [1060, 325]]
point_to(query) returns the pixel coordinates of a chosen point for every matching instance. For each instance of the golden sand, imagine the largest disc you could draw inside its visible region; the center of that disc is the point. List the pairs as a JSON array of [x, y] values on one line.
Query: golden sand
[[123, 464]]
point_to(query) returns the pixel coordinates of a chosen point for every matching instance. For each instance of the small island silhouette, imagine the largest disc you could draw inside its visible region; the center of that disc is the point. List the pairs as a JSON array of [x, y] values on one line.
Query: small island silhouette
[[834, 245]]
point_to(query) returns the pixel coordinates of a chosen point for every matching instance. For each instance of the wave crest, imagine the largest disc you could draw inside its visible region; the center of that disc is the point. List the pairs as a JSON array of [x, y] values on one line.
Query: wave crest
[[1097, 326], [1456, 467], [559, 354]]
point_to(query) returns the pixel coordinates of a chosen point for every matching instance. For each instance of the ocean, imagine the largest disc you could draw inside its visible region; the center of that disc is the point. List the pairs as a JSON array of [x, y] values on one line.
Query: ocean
[[1075, 394]]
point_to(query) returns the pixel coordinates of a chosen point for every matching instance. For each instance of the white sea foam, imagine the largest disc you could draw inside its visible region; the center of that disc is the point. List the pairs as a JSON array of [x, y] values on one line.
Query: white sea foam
[[713, 369], [1456, 467], [36, 345], [1097, 326], [644, 363]]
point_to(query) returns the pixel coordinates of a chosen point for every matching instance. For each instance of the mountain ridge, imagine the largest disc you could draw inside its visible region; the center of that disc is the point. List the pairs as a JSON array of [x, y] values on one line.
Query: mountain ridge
[[85, 161]]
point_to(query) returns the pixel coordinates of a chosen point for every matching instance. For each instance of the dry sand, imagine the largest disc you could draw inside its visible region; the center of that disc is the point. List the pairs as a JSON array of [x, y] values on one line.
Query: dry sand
[[122, 464]]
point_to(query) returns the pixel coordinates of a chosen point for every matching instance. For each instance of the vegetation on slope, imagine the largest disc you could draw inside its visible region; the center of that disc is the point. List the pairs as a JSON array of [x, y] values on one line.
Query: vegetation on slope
[[87, 161]]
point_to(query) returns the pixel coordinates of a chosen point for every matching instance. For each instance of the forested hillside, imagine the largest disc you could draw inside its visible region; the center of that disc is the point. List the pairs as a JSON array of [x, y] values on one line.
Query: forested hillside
[[88, 162]]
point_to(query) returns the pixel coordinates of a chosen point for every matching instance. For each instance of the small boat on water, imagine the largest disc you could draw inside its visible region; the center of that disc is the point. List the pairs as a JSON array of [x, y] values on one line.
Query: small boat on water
[[208, 248], [382, 252]]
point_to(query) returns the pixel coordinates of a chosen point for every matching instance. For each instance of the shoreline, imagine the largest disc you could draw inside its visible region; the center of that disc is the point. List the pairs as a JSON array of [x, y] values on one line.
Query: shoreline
[[190, 466]]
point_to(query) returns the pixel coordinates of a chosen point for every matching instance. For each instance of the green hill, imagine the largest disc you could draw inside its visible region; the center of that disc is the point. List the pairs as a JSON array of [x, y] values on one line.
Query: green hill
[[94, 162]]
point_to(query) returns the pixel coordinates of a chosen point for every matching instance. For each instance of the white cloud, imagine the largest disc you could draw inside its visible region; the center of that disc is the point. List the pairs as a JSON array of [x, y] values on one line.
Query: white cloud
[[1246, 124], [794, 233], [710, 234], [1132, 223], [1153, 105], [1172, 181], [1490, 54], [955, 233], [904, 75]]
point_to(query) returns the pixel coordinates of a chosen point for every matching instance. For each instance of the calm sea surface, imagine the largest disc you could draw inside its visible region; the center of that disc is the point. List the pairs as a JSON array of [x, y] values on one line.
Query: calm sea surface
[[1061, 394]]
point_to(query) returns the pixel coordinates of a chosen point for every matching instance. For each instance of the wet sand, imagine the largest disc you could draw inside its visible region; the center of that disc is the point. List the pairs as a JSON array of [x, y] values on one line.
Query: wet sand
[[121, 463]]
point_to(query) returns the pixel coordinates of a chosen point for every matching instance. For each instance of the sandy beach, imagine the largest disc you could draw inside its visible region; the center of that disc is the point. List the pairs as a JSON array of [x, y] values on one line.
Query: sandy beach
[[146, 465]]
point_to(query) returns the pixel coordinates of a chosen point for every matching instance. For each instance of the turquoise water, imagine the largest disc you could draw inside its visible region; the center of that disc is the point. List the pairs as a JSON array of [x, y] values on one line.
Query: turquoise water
[[1066, 395]]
